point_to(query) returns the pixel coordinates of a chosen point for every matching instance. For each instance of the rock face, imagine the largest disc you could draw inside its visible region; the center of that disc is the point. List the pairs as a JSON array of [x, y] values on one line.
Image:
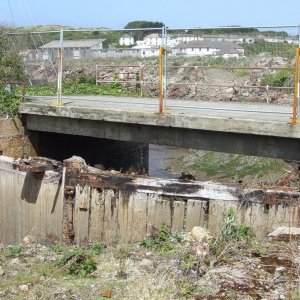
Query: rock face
[[13, 141]]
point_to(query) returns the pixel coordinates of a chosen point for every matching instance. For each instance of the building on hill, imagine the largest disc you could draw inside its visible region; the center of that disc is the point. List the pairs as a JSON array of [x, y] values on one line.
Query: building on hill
[[153, 39], [126, 40], [209, 48], [77, 49], [186, 38]]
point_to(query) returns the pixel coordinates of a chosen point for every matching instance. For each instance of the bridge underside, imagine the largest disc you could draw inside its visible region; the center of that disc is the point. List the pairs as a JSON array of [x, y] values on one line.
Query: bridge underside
[[248, 144]]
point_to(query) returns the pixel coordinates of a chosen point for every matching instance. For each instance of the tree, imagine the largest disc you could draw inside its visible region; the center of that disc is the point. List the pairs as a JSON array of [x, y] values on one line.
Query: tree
[[139, 35], [11, 65], [11, 70]]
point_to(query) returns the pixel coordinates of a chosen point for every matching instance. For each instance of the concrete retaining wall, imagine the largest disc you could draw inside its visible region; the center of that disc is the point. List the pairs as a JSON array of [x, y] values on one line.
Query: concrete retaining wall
[[116, 208]]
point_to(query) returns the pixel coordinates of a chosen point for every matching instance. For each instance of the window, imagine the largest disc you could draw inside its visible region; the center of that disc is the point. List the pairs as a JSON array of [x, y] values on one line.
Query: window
[[76, 54]]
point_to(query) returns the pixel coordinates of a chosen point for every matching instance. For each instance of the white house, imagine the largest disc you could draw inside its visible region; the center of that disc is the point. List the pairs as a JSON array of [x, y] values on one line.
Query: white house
[[153, 39], [126, 40], [186, 38], [151, 51], [73, 49], [288, 40], [209, 48], [146, 50]]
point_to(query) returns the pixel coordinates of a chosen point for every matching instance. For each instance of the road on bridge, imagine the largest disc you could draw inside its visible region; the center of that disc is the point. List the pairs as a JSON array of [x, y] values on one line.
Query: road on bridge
[[254, 111]]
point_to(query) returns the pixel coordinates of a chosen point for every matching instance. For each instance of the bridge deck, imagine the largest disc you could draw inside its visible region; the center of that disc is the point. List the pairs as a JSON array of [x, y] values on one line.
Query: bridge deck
[[243, 118], [253, 111]]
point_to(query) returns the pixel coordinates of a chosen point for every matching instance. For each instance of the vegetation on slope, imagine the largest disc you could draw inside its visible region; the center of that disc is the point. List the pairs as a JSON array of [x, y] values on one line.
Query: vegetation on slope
[[12, 71]]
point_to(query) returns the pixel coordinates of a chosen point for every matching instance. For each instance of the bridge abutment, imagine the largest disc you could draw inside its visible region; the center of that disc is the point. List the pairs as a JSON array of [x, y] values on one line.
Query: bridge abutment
[[105, 153]]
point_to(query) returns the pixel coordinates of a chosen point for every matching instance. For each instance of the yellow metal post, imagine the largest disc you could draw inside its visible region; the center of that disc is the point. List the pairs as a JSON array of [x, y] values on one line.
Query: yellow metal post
[[294, 119], [161, 83]]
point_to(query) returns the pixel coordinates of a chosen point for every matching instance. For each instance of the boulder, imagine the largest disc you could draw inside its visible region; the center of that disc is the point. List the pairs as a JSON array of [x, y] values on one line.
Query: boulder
[[198, 234]]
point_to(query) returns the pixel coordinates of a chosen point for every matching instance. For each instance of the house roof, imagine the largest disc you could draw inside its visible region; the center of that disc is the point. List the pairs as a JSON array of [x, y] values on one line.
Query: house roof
[[153, 35], [186, 35], [126, 36], [73, 44], [210, 44]]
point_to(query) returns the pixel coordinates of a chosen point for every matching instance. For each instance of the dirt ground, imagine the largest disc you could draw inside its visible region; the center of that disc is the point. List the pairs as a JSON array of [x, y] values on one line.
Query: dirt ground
[[163, 266]]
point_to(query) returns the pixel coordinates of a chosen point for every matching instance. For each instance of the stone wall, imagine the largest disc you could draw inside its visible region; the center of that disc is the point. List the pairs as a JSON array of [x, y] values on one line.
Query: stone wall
[[13, 141]]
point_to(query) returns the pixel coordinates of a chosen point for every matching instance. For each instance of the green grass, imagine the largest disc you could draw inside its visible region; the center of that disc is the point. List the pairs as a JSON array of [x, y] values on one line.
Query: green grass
[[83, 89], [240, 72], [281, 78], [237, 166]]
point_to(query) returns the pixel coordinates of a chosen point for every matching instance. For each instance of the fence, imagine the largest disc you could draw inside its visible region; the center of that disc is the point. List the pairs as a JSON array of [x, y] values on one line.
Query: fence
[[241, 64]]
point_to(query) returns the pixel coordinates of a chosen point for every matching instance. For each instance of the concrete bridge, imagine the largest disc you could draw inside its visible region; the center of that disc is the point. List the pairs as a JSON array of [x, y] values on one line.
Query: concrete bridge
[[251, 129]]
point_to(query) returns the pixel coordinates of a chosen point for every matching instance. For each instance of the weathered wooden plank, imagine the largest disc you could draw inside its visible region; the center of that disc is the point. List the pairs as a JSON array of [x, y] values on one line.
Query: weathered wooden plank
[[256, 217], [218, 211], [56, 210], [110, 226], [52, 204], [123, 217], [9, 210], [178, 216], [139, 217], [96, 215], [5, 186], [195, 214], [288, 215], [81, 214], [159, 212], [151, 211], [33, 190], [20, 207]]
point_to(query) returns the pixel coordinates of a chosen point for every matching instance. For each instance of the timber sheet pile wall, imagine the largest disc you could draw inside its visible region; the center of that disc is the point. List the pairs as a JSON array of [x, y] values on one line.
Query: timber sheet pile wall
[[28, 206], [113, 215], [116, 208]]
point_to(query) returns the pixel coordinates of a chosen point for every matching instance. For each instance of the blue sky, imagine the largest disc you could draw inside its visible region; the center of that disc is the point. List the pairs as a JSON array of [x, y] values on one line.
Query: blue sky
[[174, 13]]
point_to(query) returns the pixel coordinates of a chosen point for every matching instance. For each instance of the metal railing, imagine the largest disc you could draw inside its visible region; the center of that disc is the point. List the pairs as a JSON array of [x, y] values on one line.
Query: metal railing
[[182, 63], [132, 75]]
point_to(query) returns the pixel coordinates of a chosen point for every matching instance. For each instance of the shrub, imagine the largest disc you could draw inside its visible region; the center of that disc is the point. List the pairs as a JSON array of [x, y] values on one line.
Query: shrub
[[9, 102], [15, 250], [281, 78], [240, 72], [231, 231], [161, 239], [96, 249], [78, 262]]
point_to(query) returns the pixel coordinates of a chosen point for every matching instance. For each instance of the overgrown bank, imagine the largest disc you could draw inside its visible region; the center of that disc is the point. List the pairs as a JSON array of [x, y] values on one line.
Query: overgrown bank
[[229, 168], [165, 265]]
